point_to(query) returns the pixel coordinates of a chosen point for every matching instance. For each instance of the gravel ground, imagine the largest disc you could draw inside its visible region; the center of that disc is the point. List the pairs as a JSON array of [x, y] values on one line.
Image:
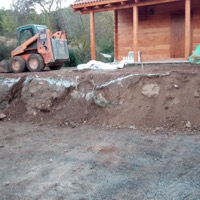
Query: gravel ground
[[91, 162]]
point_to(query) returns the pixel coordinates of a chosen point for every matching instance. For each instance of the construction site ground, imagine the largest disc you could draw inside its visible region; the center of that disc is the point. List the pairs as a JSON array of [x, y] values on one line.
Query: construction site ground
[[131, 133]]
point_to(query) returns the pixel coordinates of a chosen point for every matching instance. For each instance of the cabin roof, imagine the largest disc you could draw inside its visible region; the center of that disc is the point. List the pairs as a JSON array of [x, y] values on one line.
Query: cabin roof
[[85, 6], [81, 2]]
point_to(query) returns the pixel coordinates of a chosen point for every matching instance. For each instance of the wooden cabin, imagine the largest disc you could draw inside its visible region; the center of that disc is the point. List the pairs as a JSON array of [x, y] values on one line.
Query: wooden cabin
[[159, 29]]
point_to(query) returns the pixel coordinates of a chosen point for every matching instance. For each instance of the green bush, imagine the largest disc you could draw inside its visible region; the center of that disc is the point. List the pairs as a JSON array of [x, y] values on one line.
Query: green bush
[[73, 60], [5, 50], [112, 57]]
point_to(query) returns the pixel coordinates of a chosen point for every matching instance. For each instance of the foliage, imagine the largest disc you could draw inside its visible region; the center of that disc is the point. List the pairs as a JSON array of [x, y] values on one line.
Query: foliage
[[44, 6], [2, 13], [73, 60], [104, 32], [78, 31], [11, 19], [9, 23], [76, 25], [5, 50]]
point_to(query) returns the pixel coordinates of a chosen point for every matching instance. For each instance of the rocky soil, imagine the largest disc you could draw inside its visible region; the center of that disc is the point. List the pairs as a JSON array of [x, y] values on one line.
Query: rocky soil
[[156, 96], [81, 135]]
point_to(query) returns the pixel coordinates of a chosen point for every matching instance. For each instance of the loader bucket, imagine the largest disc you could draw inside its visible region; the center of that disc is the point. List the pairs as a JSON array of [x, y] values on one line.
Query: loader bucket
[[5, 66]]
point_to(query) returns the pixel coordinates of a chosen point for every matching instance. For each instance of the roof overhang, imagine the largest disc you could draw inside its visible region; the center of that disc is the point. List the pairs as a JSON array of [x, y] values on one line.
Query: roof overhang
[[86, 6]]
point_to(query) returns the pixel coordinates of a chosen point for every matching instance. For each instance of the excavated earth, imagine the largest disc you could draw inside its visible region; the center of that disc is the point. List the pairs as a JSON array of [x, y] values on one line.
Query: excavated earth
[[127, 134], [155, 97]]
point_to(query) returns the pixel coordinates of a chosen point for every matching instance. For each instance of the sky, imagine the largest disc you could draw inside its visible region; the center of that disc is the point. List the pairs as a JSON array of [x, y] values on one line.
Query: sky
[[5, 3]]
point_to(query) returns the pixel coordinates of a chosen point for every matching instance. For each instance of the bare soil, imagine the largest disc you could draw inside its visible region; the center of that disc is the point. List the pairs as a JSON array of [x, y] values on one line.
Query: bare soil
[[155, 97], [91, 162], [126, 134]]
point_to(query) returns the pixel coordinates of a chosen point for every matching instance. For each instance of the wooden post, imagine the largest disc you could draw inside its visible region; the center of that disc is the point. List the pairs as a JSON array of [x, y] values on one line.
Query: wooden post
[[187, 28], [92, 36], [116, 34], [135, 32]]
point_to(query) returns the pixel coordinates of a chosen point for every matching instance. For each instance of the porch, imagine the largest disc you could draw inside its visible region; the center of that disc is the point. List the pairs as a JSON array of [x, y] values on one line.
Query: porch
[[147, 26]]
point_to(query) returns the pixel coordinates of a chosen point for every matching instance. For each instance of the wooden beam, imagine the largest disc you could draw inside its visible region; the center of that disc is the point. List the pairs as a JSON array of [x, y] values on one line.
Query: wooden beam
[[116, 34], [119, 6], [80, 5], [135, 33], [187, 28], [108, 5], [92, 36], [154, 2]]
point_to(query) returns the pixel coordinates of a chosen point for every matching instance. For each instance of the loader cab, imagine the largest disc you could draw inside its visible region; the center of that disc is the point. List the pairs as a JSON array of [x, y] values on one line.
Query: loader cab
[[27, 31]]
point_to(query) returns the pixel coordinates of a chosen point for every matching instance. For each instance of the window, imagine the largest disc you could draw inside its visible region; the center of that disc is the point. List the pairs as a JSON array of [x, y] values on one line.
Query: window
[[25, 35]]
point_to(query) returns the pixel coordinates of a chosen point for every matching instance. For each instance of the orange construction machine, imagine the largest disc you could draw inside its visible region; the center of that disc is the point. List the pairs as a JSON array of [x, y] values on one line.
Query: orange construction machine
[[37, 49]]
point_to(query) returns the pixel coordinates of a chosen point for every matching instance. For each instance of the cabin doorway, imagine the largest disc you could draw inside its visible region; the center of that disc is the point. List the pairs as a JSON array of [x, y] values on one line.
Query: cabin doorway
[[177, 35]]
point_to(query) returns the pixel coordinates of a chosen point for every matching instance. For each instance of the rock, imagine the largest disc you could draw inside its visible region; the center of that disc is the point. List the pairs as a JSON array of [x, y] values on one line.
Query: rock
[[51, 160], [158, 129], [100, 100], [44, 107], [151, 90], [77, 94], [89, 95], [175, 101], [2, 116], [7, 183], [196, 94], [72, 125], [132, 127], [188, 124], [31, 112], [41, 83], [176, 86]]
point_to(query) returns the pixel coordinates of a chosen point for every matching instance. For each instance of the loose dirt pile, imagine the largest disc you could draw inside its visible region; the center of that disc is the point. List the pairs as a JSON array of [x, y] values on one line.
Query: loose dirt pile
[[157, 97]]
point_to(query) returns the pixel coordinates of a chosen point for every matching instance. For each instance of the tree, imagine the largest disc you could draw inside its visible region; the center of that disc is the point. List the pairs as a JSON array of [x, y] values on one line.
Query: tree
[[43, 6], [77, 27], [9, 23], [104, 31], [2, 13], [11, 19]]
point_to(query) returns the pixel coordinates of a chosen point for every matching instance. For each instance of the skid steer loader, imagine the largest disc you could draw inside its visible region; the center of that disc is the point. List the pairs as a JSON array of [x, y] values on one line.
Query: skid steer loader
[[37, 49]]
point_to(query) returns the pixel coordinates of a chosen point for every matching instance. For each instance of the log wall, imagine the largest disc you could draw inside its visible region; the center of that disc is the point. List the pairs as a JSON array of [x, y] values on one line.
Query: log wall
[[196, 27], [154, 38], [125, 32]]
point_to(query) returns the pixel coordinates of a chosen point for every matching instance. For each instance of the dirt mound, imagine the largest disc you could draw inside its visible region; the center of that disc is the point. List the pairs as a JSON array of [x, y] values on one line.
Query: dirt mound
[[154, 97]]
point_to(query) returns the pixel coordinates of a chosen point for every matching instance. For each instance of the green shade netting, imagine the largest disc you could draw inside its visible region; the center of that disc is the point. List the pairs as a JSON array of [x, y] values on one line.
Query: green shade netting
[[197, 52]]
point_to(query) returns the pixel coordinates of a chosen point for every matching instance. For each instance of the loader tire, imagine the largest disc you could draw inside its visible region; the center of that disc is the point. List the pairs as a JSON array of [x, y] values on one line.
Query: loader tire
[[57, 67], [35, 63], [18, 64]]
